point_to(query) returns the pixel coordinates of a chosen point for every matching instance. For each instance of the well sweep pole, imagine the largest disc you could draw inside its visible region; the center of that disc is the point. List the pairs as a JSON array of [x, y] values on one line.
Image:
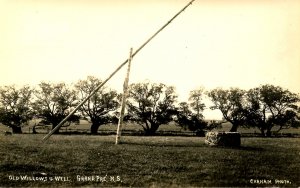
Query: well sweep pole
[[113, 73]]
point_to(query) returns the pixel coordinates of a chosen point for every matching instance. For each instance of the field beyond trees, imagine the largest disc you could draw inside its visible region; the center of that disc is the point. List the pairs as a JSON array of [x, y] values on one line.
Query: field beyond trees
[[146, 161]]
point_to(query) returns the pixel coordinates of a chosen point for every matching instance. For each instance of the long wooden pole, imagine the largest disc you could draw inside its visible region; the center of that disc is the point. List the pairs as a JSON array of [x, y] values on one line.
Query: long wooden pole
[[124, 97], [113, 73]]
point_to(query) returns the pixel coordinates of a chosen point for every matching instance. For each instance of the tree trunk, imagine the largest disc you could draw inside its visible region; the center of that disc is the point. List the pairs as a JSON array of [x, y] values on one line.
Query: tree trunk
[[94, 128], [16, 129], [151, 131], [34, 130], [262, 132], [268, 133], [234, 128]]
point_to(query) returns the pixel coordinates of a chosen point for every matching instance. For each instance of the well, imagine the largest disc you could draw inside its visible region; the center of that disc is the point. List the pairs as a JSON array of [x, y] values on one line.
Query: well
[[227, 139]]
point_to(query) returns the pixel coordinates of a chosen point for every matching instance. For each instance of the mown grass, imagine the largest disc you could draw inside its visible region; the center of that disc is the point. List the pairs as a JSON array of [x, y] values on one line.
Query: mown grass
[[148, 161]]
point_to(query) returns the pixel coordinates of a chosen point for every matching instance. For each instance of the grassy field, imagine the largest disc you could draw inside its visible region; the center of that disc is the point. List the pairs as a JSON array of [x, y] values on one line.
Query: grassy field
[[146, 161]]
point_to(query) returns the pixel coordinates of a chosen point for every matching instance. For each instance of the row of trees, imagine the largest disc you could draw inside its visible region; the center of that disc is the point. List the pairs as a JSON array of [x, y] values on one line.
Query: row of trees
[[262, 107], [149, 105]]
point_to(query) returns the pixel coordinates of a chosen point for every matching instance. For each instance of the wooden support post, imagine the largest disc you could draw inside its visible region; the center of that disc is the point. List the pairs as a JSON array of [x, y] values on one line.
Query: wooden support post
[[123, 104]]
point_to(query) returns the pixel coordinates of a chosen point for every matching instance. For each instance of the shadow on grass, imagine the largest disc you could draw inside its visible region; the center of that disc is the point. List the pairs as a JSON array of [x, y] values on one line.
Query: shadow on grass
[[249, 148], [194, 145], [244, 148]]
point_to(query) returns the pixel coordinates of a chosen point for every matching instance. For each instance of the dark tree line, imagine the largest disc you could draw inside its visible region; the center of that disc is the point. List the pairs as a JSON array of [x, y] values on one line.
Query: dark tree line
[[149, 105]]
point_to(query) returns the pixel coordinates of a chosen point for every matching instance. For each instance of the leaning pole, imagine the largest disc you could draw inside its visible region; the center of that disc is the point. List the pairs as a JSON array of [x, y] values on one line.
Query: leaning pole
[[113, 73]]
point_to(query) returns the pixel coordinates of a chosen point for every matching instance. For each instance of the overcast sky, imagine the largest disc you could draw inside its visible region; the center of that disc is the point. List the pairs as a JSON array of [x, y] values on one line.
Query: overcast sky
[[214, 43]]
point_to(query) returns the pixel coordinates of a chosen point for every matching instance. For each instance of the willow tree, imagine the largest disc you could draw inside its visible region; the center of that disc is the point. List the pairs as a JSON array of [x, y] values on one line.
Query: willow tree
[[269, 106], [189, 114], [151, 105], [54, 101], [196, 102], [231, 104], [15, 107], [101, 106]]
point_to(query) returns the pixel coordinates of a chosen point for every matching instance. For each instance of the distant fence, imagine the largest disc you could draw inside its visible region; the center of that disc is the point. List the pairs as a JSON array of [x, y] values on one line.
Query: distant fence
[[126, 132], [66, 130]]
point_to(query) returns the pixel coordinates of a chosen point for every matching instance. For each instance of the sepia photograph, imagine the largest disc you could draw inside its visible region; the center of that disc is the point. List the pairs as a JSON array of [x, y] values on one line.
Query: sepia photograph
[[149, 93]]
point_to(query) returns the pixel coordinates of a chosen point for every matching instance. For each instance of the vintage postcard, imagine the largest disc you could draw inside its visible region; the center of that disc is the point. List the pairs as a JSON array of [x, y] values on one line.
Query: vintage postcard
[[152, 93]]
